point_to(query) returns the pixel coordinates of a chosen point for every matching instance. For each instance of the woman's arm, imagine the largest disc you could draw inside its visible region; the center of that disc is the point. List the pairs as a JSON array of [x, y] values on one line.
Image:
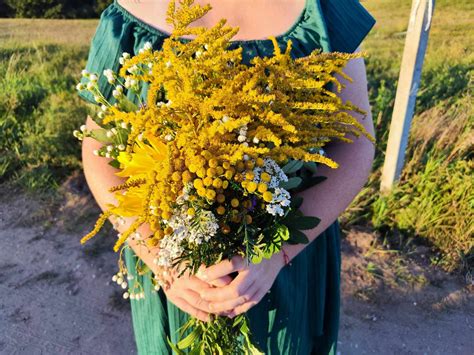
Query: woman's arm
[[100, 177], [326, 201], [329, 199]]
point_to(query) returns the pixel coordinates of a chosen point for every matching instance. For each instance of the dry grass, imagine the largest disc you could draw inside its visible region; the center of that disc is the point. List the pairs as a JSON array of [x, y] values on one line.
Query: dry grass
[[450, 39], [39, 32]]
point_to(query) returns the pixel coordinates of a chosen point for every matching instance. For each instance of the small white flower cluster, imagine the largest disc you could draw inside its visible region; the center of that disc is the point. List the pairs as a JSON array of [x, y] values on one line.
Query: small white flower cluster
[[91, 85], [242, 138], [186, 228], [118, 92], [124, 57], [281, 198], [119, 279], [161, 103], [133, 69], [110, 75], [135, 296], [119, 221], [146, 47], [272, 169], [80, 134], [131, 83]]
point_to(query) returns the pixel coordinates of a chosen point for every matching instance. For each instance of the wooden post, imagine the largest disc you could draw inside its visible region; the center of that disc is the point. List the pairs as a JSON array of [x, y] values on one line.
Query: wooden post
[[408, 84]]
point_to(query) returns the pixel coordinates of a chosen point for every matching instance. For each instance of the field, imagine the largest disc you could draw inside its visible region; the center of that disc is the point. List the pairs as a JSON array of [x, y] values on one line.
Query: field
[[409, 250]]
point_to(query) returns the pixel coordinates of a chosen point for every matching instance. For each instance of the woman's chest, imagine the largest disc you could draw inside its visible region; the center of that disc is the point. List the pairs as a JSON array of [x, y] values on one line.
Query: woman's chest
[[256, 19]]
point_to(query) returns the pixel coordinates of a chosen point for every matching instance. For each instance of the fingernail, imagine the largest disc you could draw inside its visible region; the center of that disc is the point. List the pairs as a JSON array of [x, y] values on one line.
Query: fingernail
[[211, 306]]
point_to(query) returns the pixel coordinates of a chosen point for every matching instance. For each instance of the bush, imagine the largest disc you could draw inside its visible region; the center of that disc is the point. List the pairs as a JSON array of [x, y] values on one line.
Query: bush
[[39, 108], [52, 8], [434, 198]]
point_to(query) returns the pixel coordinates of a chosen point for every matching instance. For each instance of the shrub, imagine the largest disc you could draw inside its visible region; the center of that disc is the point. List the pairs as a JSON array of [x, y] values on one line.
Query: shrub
[[434, 198], [53, 8], [39, 108]]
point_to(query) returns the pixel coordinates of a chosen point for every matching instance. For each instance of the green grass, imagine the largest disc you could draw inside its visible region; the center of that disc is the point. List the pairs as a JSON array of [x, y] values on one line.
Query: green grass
[[38, 111], [434, 200], [40, 61]]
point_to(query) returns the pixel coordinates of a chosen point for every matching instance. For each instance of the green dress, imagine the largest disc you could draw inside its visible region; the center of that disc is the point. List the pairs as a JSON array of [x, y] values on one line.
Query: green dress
[[301, 313]]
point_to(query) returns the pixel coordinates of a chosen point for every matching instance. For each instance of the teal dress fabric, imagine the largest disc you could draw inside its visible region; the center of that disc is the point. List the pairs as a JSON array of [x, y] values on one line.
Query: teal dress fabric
[[301, 313]]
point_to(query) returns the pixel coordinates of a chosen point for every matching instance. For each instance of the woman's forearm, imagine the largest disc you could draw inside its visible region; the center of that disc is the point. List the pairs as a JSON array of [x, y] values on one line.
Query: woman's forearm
[[330, 198], [101, 177]]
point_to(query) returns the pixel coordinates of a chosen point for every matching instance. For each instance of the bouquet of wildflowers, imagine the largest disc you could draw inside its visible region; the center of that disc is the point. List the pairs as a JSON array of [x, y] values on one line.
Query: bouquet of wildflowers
[[214, 153]]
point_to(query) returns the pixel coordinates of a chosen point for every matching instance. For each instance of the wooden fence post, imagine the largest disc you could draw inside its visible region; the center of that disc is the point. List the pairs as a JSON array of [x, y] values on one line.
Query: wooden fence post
[[408, 84]]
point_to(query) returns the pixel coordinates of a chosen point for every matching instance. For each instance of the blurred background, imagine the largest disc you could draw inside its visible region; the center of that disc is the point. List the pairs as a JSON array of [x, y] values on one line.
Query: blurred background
[[407, 263]]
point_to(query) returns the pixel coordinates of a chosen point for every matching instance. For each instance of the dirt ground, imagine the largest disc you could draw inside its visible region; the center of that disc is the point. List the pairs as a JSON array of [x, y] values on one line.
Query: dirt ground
[[57, 297]]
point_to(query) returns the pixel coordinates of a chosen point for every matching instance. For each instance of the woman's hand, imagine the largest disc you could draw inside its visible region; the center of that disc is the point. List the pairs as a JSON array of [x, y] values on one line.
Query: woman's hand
[[246, 290], [185, 293]]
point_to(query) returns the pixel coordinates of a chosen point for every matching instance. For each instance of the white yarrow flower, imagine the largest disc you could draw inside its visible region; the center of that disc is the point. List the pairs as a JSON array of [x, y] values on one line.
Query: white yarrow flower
[[147, 46]]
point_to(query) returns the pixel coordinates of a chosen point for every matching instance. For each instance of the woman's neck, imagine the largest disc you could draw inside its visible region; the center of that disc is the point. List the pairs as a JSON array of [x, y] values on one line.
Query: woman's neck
[[257, 19]]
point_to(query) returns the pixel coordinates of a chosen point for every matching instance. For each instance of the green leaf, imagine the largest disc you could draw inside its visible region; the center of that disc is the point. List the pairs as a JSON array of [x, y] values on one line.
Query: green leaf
[[127, 105], [100, 135], [297, 237], [311, 166], [311, 181], [190, 339], [296, 202], [292, 167], [114, 163], [282, 232], [257, 257], [271, 249], [302, 223], [292, 183], [197, 350], [174, 348]]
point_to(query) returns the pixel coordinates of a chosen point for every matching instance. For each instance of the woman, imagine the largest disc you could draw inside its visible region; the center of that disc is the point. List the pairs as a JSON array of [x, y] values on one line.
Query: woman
[[293, 309]]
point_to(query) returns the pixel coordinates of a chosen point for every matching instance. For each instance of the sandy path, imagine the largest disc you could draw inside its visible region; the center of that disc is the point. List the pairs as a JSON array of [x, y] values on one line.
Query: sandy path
[[57, 297]]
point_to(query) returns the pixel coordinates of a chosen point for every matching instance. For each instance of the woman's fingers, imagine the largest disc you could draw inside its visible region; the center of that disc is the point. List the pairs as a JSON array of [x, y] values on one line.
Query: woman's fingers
[[224, 268], [237, 288], [192, 311], [221, 281], [195, 284], [229, 305], [195, 300], [255, 299]]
